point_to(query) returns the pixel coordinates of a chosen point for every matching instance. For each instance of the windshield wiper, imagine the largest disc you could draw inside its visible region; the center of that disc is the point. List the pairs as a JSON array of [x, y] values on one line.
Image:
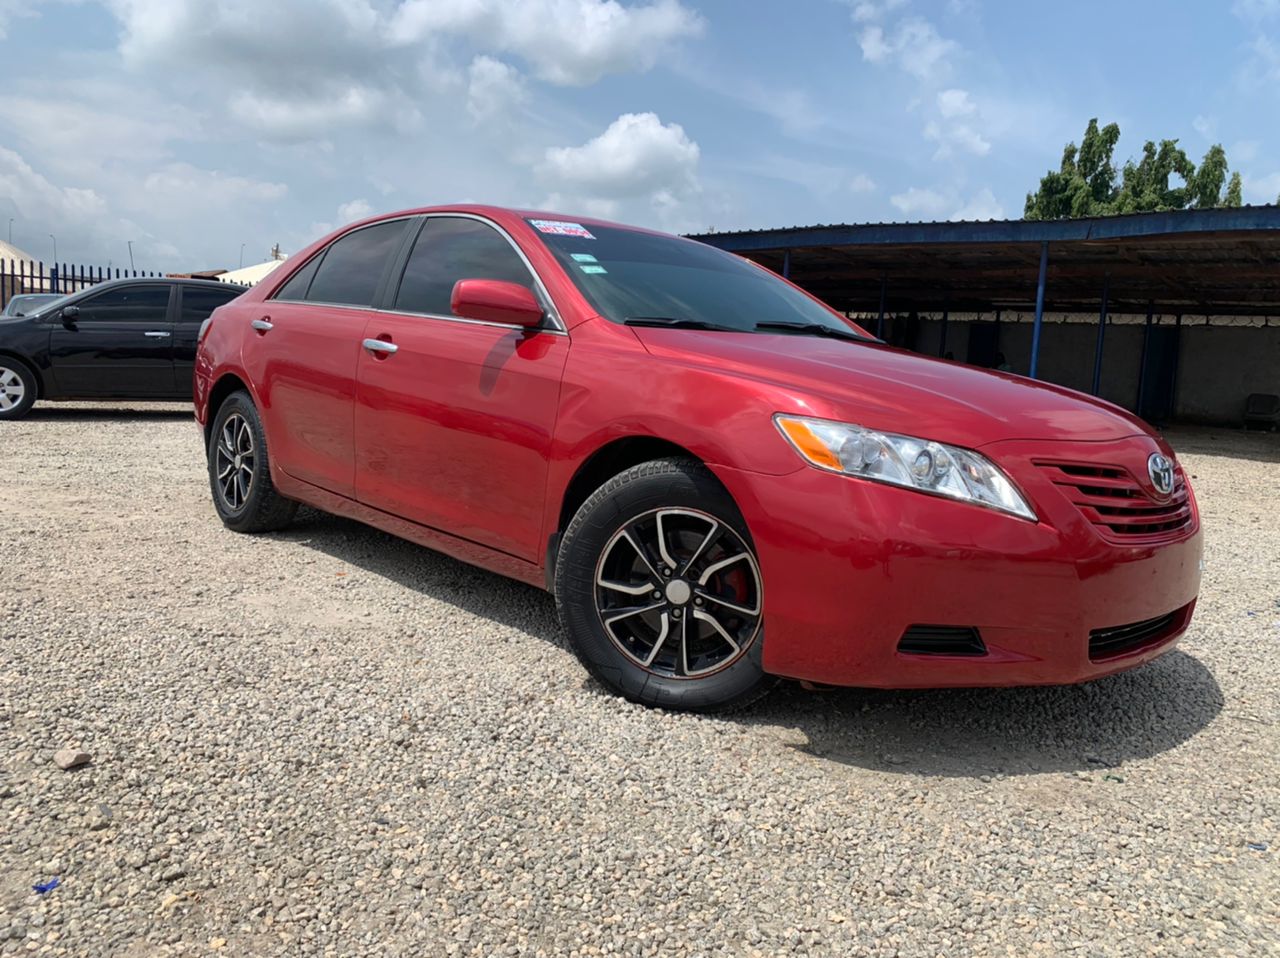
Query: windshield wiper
[[814, 329], [675, 322]]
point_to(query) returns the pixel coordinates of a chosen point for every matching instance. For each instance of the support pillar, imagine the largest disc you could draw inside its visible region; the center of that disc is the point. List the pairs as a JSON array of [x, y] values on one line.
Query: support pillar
[[884, 288], [1035, 329], [1102, 332]]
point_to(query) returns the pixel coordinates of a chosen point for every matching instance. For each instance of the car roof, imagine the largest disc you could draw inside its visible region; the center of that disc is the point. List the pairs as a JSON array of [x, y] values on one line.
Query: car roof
[[158, 281], [501, 212]]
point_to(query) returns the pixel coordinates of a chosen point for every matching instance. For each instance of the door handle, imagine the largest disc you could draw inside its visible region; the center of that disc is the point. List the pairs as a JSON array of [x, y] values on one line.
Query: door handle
[[156, 334], [380, 346], [263, 325]]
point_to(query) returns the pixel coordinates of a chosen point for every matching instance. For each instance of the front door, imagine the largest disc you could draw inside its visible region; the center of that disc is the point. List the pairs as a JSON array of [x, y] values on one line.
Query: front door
[[120, 345], [453, 429], [303, 353]]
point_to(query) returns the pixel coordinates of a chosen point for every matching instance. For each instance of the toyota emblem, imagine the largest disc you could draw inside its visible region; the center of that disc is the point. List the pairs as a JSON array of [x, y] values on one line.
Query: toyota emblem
[[1161, 471]]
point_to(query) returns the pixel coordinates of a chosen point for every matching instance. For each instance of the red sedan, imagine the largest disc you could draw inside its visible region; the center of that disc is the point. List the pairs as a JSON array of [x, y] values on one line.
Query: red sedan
[[721, 479]]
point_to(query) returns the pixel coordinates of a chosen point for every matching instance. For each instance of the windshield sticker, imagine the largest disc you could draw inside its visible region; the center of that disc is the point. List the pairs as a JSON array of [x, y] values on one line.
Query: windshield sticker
[[561, 228], [583, 257], [588, 268]]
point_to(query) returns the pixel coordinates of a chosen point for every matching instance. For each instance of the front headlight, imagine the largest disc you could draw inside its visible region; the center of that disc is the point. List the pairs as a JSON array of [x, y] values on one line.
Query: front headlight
[[903, 461]]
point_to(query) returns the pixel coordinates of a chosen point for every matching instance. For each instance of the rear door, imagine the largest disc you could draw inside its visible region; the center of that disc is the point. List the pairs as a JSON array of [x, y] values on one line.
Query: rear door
[[119, 346], [195, 303], [304, 348], [453, 429]]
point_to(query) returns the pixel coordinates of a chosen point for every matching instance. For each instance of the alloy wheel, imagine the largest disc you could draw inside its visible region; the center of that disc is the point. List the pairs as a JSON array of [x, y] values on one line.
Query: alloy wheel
[[678, 592], [12, 389], [234, 461]]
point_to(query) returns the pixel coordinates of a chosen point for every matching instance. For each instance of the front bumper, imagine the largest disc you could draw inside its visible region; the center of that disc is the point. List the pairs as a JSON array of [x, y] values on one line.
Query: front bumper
[[849, 565]]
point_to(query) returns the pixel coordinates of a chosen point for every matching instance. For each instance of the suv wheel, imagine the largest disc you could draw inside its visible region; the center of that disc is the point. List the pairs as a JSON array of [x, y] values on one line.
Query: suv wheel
[[658, 586]]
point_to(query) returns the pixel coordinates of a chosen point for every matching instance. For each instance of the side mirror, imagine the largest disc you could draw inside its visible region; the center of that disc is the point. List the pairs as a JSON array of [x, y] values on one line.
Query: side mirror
[[69, 315], [495, 301]]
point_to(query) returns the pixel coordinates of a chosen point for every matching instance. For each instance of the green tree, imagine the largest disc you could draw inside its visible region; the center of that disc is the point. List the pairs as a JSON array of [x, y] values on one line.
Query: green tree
[[1163, 178]]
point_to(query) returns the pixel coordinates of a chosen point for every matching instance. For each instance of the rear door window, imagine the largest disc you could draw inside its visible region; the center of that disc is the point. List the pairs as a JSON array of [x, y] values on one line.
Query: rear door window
[[297, 285], [451, 248], [199, 301], [128, 304], [352, 267]]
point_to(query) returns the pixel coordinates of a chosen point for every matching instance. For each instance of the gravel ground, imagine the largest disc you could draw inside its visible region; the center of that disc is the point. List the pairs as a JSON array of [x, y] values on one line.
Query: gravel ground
[[332, 742]]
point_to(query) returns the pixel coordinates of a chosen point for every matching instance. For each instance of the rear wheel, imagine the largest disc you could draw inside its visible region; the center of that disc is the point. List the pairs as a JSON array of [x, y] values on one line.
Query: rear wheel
[[17, 388], [240, 471], [658, 586]]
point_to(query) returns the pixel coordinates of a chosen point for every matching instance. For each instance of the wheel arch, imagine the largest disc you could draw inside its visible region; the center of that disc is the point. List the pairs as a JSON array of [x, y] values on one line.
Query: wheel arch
[[227, 384], [615, 456]]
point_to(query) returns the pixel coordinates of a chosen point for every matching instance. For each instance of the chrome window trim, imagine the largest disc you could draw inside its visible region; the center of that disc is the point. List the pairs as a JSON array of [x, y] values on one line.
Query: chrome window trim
[[558, 329], [540, 290], [320, 253]]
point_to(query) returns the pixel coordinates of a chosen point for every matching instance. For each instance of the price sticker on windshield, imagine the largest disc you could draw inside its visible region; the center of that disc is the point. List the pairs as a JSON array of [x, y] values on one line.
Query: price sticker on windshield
[[561, 228]]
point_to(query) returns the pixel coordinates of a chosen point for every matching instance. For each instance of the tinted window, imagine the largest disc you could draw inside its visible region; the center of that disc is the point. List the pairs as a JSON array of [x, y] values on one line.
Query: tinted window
[[449, 249], [199, 301], [626, 273], [353, 265], [143, 304], [296, 287]]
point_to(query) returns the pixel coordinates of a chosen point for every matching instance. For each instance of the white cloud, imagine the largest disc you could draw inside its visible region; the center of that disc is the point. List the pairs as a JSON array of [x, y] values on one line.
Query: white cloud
[[983, 205], [1261, 189], [567, 42], [914, 45], [11, 10], [861, 183], [865, 11], [956, 136], [1204, 126], [920, 202], [35, 198], [1256, 10], [191, 188], [493, 88], [354, 210], [955, 103], [637, 156]]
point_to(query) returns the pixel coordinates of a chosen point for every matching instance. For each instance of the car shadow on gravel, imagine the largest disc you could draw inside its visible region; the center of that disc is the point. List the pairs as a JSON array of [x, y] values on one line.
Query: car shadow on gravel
[[1019, 731], [430, 573], [106, 413], [949, 732]]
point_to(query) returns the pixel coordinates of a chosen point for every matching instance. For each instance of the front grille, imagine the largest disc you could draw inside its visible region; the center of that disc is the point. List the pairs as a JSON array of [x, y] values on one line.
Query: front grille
[[941, 640], [1117, 640], [1117, 505]]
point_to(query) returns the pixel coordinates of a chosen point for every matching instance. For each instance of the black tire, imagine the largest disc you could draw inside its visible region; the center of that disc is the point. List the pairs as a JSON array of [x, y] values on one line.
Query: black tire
[[250, 502], [684, 501], [16, 376]]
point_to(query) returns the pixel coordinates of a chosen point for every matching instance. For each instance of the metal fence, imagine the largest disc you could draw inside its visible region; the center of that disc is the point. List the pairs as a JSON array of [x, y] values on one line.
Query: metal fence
[[27, 276]]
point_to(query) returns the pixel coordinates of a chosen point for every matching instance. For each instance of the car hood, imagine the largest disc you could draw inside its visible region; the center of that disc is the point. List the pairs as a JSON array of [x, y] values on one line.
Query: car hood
[[899, 391]]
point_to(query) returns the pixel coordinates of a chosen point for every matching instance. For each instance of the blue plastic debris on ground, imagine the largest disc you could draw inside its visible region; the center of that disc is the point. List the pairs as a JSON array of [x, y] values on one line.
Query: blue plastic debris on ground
[[45, 887]]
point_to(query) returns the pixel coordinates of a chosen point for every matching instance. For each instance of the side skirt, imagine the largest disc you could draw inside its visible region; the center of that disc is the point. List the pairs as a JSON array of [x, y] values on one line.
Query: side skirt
[[462, 549]]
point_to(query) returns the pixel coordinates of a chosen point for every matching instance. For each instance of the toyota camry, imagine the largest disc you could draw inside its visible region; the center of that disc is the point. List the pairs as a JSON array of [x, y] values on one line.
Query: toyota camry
[[721, 480]]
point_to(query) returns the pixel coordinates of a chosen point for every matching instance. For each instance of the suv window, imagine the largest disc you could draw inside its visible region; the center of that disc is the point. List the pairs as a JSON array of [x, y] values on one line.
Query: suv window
[[451, 248], [352, 267], [140, 304], [199, 301]]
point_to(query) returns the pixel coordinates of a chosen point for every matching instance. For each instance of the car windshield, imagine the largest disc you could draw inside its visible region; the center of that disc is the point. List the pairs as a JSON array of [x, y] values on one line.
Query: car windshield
[[28, 303], [649, 279]]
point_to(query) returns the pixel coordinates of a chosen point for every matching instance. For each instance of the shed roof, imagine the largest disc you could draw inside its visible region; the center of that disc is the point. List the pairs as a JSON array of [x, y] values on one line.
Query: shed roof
[[1216, 261]]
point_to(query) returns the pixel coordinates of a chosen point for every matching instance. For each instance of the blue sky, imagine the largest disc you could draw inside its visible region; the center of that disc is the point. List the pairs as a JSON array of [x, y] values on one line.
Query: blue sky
[[194, 126]]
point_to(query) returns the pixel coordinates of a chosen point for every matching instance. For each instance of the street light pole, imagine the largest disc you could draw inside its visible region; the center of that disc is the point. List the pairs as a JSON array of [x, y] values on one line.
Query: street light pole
[[55, 248], [242, 255], [10, 230], [131, 254]]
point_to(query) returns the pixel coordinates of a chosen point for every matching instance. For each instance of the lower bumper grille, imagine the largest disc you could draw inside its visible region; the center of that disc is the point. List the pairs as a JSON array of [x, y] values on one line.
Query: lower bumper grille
[[1120, 639], [941, 640]]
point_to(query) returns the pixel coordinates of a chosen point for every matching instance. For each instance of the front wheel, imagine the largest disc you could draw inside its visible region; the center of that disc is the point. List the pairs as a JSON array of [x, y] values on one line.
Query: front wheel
[[658, 586], [240, 471], [17, 388]]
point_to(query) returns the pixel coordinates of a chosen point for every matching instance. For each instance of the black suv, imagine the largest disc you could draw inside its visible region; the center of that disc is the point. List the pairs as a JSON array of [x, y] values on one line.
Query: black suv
[[127, 339]]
